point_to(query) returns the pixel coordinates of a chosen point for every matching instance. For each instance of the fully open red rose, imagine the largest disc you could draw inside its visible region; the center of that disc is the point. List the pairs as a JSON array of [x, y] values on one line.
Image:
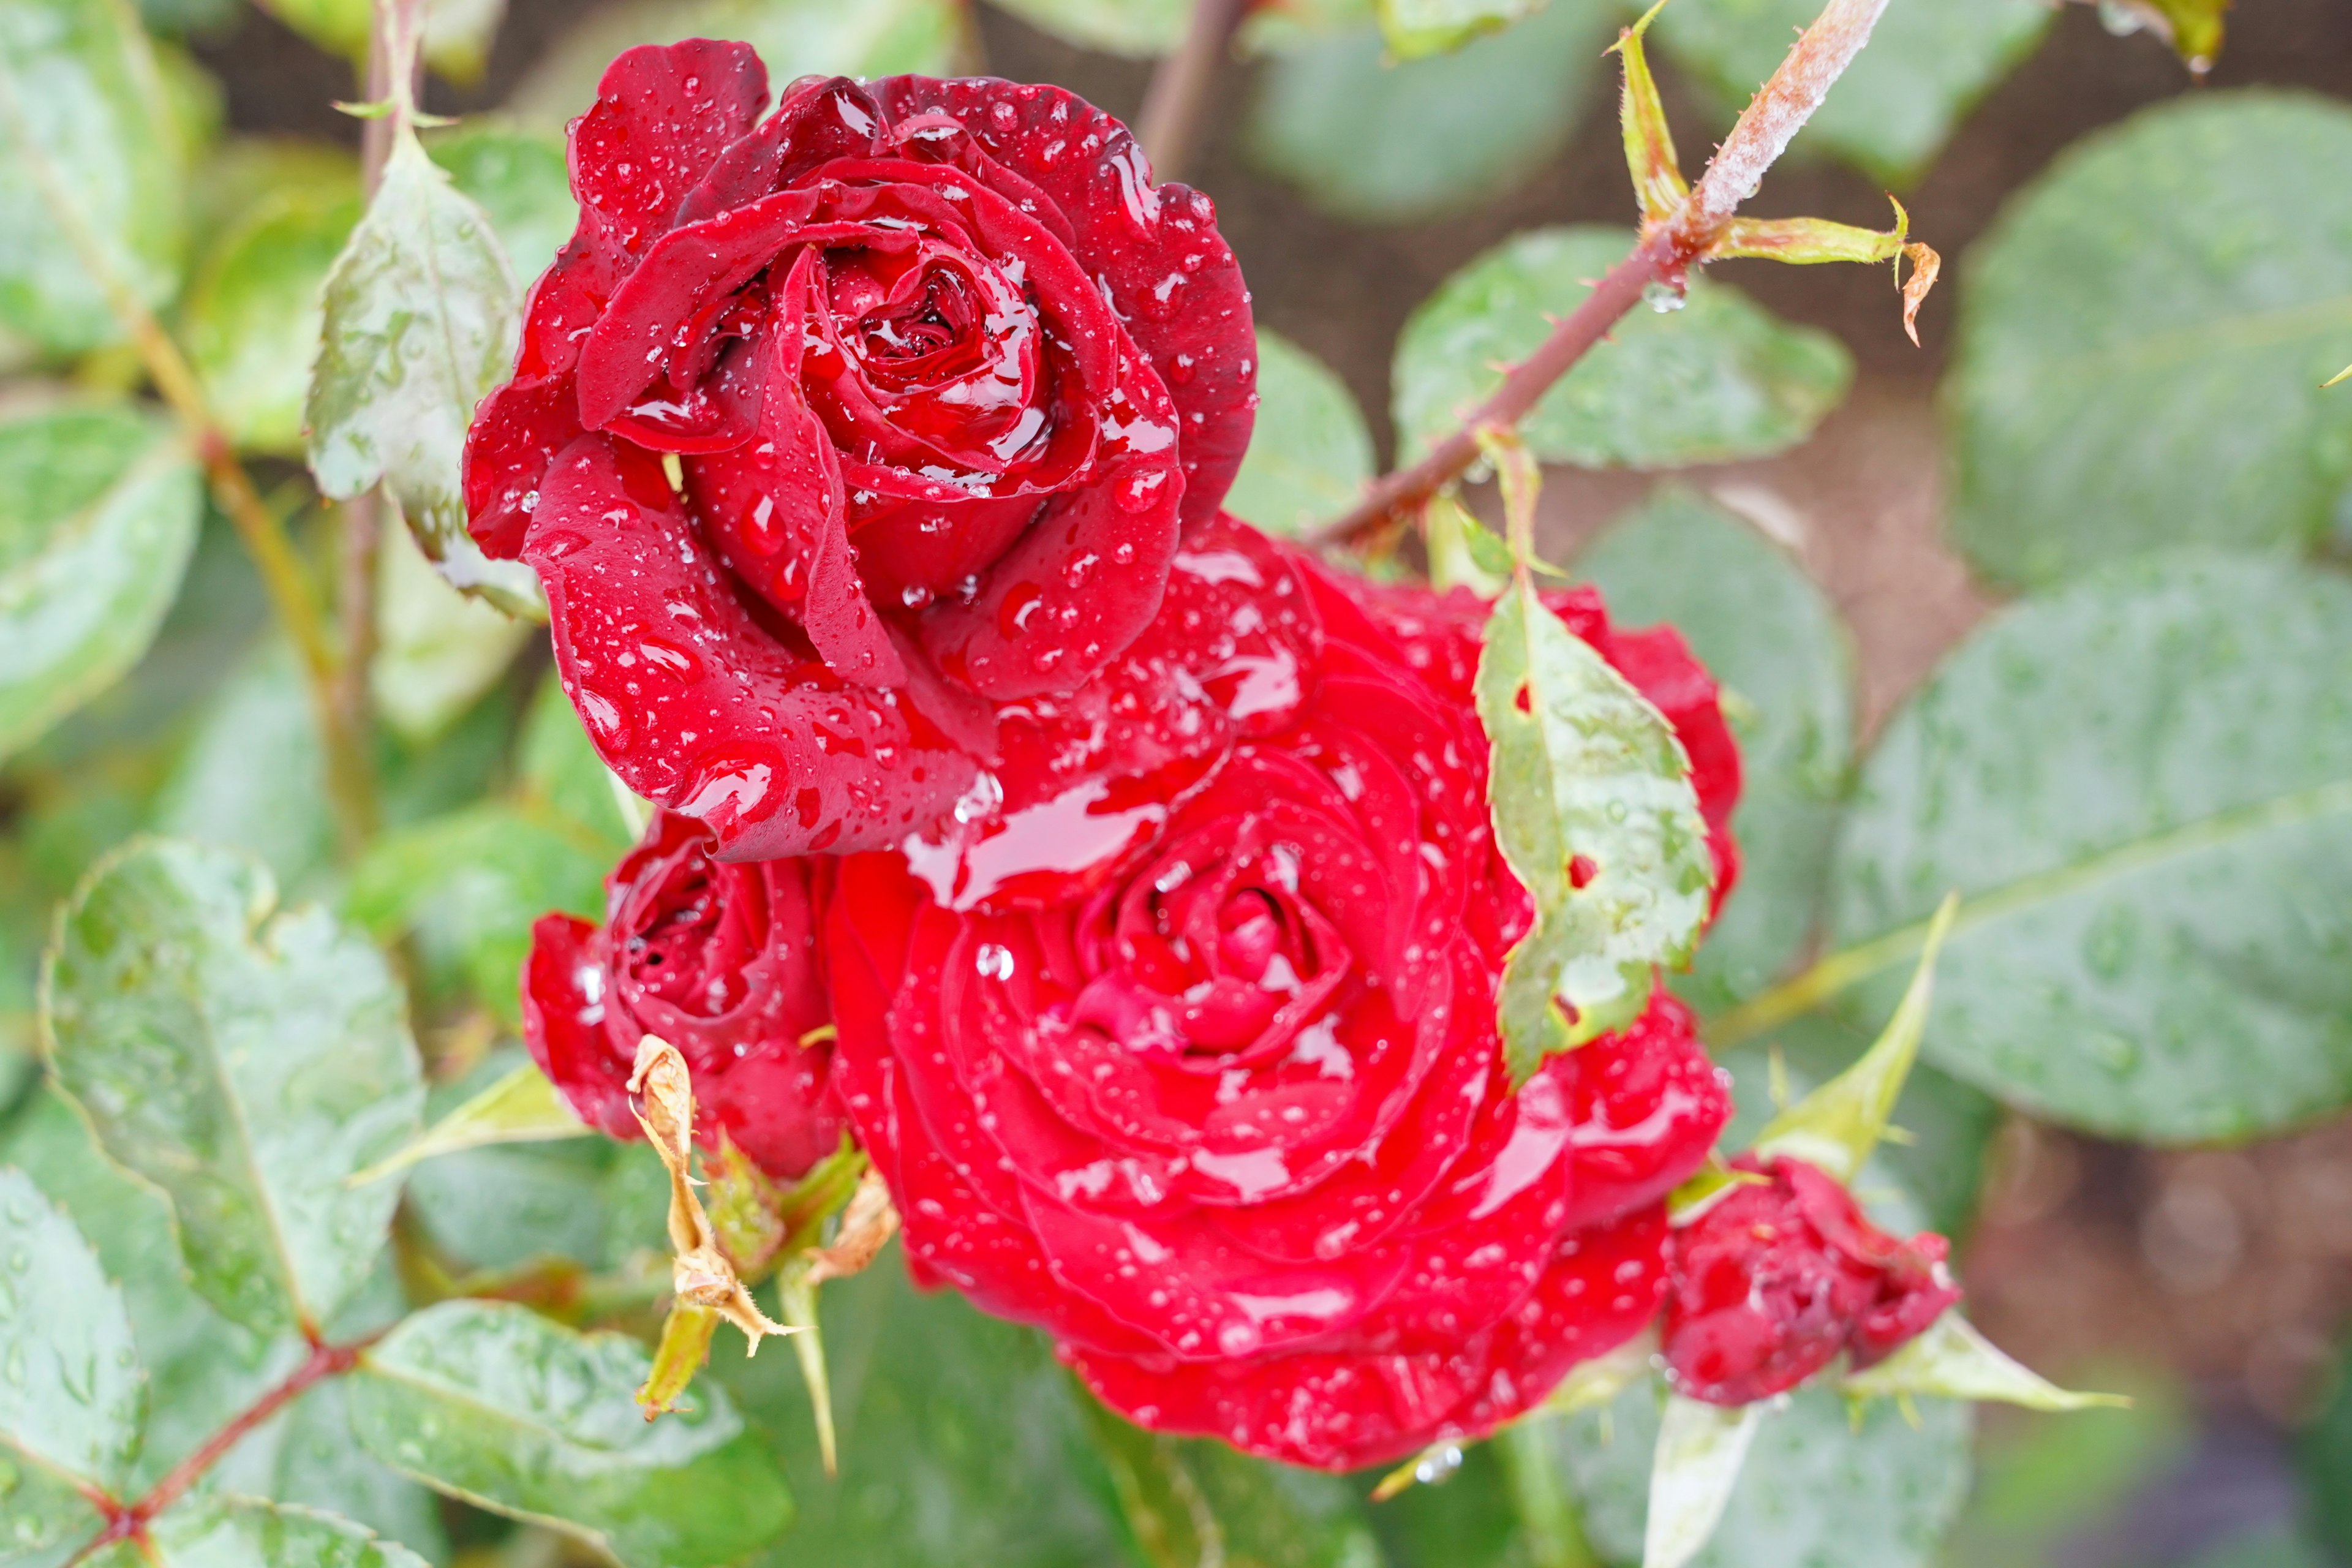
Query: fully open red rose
[[940, 370], [722, 961], [1779, 1275], [1180, 1042]]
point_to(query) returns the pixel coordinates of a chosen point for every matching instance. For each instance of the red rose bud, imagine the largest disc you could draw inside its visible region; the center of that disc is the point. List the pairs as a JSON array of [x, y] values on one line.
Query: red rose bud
[[720, 961], [942, 371], [1778, 1277], [1180, 1040]]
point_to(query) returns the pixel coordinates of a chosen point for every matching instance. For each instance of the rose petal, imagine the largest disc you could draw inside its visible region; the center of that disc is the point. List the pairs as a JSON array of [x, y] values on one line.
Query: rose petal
[[699, 705], [663, 114]]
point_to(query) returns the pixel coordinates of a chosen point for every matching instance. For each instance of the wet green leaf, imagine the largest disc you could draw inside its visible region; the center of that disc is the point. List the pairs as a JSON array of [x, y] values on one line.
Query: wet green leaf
[[518, 177], [795, 37], [1381, 143], [2142, 787], [1953, 1360], [421, 314], [239, 1532], [1718, 379], [310, 1456], [252, 775], [437, 650], [70, 1400], [2142, 339], [1814, 1490], [1186, 1503], [493, 1403], [98, 512], [1928, 64], [252, 317], [243, 1058], [469, 885], [943, 1415], [1310, 455], [1594, 809], [1770, 636], [519, 1106], [85, 121]]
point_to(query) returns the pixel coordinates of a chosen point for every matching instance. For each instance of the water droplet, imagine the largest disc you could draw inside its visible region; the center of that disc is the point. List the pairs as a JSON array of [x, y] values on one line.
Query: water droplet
[[995, 963], [1664, 298]]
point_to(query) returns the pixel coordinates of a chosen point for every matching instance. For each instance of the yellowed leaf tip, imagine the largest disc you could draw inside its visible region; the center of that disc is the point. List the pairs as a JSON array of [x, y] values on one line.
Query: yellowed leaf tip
[[2340, 376], [1926, 264]]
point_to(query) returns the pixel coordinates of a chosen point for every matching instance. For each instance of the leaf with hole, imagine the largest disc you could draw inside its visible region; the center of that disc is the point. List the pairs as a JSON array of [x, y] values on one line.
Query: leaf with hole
[[243, 1058], [2143, 336], [1310, 455], [1770, 635], [100, 506], [91, 149], [1594, 809], [2142, 787], [1716, 379], [490, 1403]]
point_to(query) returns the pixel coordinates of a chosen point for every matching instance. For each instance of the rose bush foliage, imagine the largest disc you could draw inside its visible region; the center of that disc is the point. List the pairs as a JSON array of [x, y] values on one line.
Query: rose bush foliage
[[939, 373]]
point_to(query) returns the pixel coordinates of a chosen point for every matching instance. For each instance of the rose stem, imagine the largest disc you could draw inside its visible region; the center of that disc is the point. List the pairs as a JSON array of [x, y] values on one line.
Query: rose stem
[[1777, 112], [350, 782], [1178, 94]]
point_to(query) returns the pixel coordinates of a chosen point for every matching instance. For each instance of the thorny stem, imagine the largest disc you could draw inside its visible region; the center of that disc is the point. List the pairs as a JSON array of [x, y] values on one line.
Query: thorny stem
[[1179, 95], [129, 1520], [351, 780], [1665, 254]]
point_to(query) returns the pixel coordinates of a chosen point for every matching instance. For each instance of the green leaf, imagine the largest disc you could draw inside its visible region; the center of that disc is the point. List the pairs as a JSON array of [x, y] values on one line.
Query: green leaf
[[253, 776], [1953, 1360], [1380, 143], [1310, 455], [309, 1457], [1468, 1522], [421, 313], [1814, 1490], [239, 1532], [98, 512], [1187, 1503], [468, 885], [2142, 788], [1928, 64], [558, 769], [518, 1106], [1136, 29], [1693, 1471], [437, 650], [2142, 339], [1786, 663], [795, 37], [252, 318], [202, 1369], [245, 172], [243, 1060], [517, 177], [943, 1415], [69, 1403], [1418, 27], [490, 1403], [1718, 379], [86, 123], [1587, 777]]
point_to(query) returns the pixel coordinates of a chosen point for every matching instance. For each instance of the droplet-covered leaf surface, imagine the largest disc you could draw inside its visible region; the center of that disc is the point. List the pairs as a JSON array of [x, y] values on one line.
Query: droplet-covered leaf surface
[[493, 1403], [1814, 1490], [1718, 379], [1309, 455], [1770, 635], [98, 511], [2142, 787], [2143, 337], [70, 1383], [85, 120], [240, 1532], [245, 1060]]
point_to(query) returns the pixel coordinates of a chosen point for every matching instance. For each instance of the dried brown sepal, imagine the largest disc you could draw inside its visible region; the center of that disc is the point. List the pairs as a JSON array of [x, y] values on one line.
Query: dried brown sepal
[[1649, 157], [700, 1274], [867, 1227]]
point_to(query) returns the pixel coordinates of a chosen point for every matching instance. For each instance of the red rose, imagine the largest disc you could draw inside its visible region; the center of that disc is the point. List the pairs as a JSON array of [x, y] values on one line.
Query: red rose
[[1181, 1043], [1778, 1277], [719, 959], [942, 371]]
